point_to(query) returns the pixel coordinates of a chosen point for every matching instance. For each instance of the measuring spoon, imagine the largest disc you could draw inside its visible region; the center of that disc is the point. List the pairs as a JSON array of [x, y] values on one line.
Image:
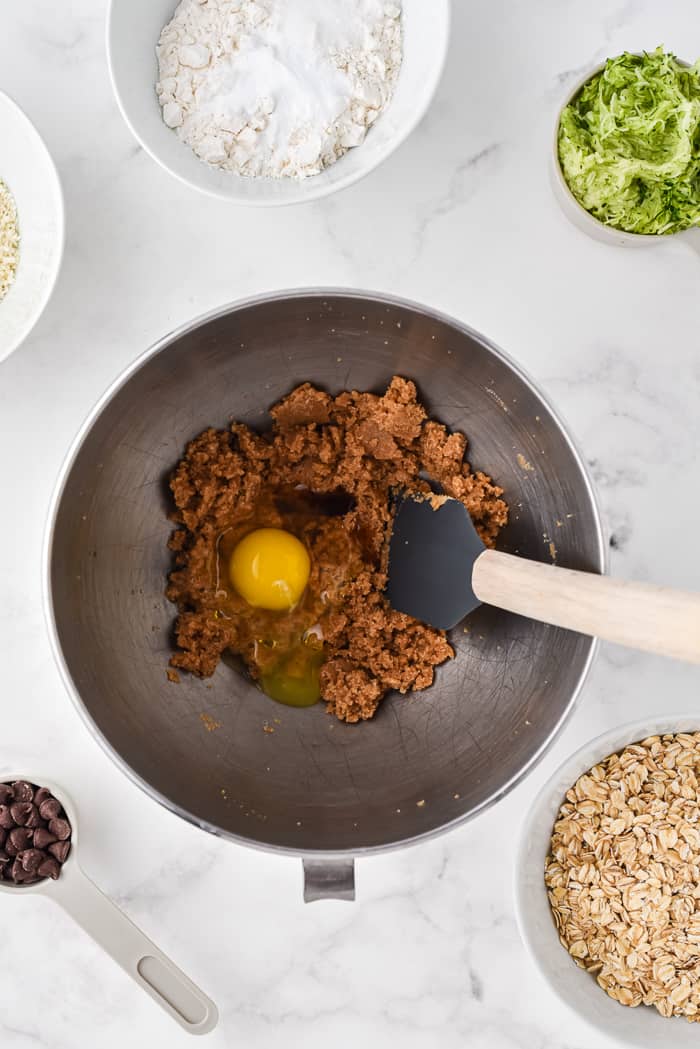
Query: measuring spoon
[[116, 934]]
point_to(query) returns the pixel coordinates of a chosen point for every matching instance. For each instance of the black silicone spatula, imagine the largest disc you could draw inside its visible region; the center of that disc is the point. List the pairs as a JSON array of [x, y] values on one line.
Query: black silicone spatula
[[440, 571]]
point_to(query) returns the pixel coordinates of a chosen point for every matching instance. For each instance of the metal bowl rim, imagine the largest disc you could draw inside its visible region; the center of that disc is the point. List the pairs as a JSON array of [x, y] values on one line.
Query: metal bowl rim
[[74, 449]]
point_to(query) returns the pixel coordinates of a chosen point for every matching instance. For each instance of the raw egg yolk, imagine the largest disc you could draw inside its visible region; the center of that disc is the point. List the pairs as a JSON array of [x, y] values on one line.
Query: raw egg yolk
[[270, 568]]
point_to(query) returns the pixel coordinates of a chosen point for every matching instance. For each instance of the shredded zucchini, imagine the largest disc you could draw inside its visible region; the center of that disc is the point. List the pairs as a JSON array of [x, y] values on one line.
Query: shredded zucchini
[[629, 144]]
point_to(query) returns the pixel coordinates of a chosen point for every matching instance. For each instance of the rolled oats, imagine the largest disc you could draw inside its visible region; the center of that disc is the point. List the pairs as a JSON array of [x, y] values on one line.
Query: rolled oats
[[9, 240], [623, 874]]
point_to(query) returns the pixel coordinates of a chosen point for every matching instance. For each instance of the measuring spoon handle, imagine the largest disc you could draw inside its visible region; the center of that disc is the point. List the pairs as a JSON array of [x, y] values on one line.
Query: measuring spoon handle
[[137, 955]]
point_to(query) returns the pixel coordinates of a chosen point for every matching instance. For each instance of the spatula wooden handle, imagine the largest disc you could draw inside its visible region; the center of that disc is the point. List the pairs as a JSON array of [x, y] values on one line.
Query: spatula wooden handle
[[639, 615]]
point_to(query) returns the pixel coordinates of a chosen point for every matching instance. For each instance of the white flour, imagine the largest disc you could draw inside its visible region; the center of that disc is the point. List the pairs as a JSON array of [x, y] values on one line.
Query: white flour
[[277, 88]]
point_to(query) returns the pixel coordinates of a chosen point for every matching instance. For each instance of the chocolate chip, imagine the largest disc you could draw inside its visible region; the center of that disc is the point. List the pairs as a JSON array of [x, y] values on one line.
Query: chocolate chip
[[23, 791], [43, 837], [61, 828], [34, 819], [20, 838], [18, 872], [50, 868], [21, 812], [29, 849], [32, 859], [49, 809], [60, 850]]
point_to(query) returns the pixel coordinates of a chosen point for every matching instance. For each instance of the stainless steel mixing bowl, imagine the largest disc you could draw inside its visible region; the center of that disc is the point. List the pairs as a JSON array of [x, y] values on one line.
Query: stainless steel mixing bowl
[[309, 784]]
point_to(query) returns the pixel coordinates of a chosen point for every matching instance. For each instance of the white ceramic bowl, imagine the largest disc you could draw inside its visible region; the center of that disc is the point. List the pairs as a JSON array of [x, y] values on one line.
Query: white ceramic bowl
[[583, 219], [133, 29], [643, 1026], [29, 172]]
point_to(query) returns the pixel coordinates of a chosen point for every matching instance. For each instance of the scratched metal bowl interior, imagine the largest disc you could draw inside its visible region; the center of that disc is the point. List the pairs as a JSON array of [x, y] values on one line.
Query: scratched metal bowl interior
[[428, 760]]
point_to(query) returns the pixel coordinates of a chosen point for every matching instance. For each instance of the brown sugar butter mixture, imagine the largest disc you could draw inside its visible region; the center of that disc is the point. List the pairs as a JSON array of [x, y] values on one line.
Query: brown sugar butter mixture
[[327, 473]]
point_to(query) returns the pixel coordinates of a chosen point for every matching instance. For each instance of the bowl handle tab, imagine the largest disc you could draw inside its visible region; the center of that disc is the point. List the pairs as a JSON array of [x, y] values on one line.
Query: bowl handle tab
[[328, 879]]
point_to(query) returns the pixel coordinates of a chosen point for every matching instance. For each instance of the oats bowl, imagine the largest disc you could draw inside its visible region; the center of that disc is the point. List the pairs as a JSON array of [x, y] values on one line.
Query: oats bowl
[[644, 1025], [31, 177]]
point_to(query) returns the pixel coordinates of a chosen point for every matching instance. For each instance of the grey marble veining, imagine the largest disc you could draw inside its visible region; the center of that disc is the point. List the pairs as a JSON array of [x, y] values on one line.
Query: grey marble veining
[[460, 217]]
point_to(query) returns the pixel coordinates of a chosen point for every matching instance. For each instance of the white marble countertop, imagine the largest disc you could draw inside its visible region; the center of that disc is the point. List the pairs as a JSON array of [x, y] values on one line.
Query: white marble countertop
[[461, 217]]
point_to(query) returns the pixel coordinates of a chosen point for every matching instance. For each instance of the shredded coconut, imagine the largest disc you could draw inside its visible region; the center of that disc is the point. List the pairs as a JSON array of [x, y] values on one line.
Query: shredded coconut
[[9, 240], [273, 88]]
